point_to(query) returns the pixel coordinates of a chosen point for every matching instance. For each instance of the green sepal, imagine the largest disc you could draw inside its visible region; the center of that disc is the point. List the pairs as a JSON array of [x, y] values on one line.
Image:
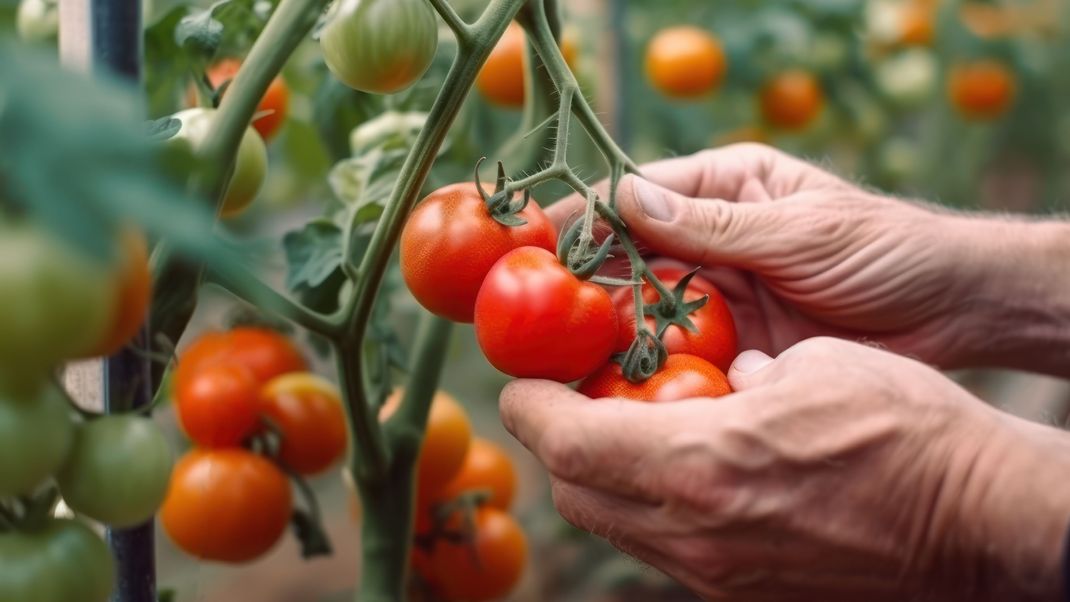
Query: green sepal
[[645, 356]]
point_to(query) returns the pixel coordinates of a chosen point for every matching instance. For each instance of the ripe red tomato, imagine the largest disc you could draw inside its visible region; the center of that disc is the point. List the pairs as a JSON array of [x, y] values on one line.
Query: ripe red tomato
[[451, 241], [134, 293], [266, 353], [792, 99], [486, 467], [218, 405], [716, 340], [446, 440], [534, 319], [981, 90], [275, 103], [685, 62], [487, 569], [682, 377], [308, 411], [228, 505]]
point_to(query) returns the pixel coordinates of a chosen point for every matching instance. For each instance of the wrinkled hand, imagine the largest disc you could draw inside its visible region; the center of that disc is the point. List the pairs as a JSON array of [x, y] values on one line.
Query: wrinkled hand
[[798, 252], [836, 472]]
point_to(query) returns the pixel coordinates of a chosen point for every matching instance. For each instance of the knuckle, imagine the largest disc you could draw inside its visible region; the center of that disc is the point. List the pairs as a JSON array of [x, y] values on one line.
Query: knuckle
[[697, 482], [562, 451]]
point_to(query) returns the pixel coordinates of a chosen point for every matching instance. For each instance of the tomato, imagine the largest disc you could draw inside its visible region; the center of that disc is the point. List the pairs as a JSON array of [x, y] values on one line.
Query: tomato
[[488, 568], [534, 319], [37, 21], [981, 90], [265, 352], [486, 467], [501, 79], [451, 241], [228, 505], [218, 406], [56, 302], [250, 165], [134, 293], [685, 62], [117, 470], [380, 46], [682, 376], [445, 444], [715, 341], [916, 24], [36, 432], [792, 99], [275, 104], [60, 561], [308, 411]]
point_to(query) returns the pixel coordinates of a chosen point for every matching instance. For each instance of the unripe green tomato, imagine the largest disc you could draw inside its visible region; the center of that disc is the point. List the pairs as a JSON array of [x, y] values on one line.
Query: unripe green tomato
[[908, 79], [36, 432], [117, 471], [37, 20], [250, 166], [380, 46], [55, 302], [60, 561]]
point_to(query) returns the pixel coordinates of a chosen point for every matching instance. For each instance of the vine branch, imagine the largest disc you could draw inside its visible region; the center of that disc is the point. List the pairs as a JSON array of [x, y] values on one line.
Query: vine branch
[[462, 30]]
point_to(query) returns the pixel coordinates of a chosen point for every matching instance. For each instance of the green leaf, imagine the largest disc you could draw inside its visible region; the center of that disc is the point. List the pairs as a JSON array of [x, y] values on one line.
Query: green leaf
[[200, 30], [314, 540], [313, 254]]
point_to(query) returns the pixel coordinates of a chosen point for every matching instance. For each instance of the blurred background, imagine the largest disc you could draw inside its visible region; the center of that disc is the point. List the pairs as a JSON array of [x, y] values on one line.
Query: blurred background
[[891, 87]]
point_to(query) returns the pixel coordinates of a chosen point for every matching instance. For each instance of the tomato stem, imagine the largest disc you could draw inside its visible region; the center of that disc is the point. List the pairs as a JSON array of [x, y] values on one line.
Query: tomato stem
[[461, 29]]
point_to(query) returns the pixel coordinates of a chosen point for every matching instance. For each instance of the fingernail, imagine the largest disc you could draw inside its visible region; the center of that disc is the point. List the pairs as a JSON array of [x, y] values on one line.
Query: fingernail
[[751, 361], [653, 201]]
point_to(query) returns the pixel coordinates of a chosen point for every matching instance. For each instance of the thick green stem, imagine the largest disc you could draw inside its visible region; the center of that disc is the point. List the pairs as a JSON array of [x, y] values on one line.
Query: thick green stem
[[370, 454], [246, 286]]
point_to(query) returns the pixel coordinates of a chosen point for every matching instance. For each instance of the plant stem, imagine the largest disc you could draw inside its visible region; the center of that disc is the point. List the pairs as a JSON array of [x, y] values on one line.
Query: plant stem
[[245, 285], [371, 456], [462, 30]]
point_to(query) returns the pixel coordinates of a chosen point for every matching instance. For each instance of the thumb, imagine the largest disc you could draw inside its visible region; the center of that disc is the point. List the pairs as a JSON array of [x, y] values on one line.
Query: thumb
[[700, 231], [747, 369]]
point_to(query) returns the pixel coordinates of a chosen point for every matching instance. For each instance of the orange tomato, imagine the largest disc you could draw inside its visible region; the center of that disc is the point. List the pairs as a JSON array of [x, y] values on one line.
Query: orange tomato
[[486, 467], [792, 99], [218, 405], [501, 79], [307, 409], [135, 292], [487, 568], [682, 377], [228, 505], [916, 24], [982, 89], [266, 353], [275, 104], [685, 62], [446, 441]]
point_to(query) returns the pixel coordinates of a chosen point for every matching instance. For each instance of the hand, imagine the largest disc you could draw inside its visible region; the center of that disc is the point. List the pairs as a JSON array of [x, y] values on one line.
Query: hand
[[836, 472], [799, 253]]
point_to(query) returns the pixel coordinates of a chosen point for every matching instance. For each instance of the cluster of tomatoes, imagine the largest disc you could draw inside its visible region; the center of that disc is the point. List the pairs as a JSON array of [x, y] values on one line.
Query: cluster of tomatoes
[[467, 545], [246, 399], [534, 318], [60, 304]]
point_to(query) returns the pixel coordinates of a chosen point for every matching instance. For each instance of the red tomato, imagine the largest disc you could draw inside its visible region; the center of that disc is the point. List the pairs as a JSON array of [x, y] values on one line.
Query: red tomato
[[218, 405], [534, 319], [275, 104], [486, 467], [228, 505], [308, 411], [135, 293], [450, 243], [487, 569], [682, 377], [265, 352], [716, 340]]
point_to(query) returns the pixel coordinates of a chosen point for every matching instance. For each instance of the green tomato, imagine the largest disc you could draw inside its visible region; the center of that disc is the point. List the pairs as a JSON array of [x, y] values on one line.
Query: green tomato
[[62, 561], [117, 471], [36, 432], [250, 166], [37, 20], [380, 46], [55, 303]]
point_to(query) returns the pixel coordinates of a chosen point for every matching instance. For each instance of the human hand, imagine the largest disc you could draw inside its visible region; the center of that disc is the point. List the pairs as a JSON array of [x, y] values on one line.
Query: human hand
[[798, 253], [836, 472]]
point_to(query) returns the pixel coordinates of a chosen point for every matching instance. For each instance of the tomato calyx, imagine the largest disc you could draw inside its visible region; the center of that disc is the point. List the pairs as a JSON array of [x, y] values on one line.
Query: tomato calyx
[[443, 524], [580, 259], [28, 512], [673, 310], [644, 357], [501, 206]]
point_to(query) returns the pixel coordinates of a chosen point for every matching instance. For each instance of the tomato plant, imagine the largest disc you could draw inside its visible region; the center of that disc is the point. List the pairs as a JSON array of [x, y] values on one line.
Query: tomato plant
[[134, 293], [228, 505], [534, 319], [218, 406], [307, 411], [446, 440], [273, 108], [451, 241], [36, 432], [117, 471], [250, 165], [485, 568], [714, 338], [682, 377], [792, 100], [685, 62], [62, 560], [380, 46], [486, 468], [981, 90]]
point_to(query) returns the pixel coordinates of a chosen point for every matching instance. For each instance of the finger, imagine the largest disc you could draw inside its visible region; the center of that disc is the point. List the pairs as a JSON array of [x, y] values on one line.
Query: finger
[[745, 369]]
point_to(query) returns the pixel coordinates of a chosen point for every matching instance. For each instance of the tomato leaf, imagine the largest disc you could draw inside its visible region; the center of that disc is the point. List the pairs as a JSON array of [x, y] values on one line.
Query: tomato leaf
[[314, 540], [313, 253]]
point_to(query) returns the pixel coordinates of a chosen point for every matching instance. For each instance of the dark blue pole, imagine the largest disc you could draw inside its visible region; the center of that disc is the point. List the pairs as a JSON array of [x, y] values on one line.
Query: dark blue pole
[[116, 46]]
